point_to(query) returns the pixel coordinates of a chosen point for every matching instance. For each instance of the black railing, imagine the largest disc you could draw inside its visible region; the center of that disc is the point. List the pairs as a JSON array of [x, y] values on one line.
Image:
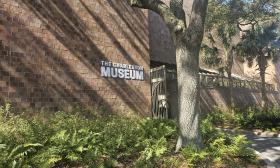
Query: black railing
[[208, 80]]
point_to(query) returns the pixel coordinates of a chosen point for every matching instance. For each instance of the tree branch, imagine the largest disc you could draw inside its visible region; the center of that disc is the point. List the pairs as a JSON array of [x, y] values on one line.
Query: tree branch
[[174, 24], [177, 9], [196, 23]]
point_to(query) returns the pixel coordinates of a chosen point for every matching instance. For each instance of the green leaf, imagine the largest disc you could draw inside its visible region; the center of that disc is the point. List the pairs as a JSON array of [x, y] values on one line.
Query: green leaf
[[22, 150], [3, 146]]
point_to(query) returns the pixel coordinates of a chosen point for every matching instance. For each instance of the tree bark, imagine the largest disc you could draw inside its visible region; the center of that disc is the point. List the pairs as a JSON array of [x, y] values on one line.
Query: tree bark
[[229, 64], [173, 23], [187, 59], [188, 92], [176, 7], [262, 68]]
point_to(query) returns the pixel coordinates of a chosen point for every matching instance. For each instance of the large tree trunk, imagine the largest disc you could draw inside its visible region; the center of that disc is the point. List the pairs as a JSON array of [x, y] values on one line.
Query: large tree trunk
[[230, 87], [188, 92], [187, 40], [187, 59], [262, 68], [229, 55]]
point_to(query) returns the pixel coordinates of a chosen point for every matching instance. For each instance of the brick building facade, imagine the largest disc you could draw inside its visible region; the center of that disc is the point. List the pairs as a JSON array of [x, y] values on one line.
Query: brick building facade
[[51, 53]]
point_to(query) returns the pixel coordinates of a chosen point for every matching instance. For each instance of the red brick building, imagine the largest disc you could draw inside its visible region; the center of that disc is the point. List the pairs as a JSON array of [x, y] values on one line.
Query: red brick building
[[51, 53]]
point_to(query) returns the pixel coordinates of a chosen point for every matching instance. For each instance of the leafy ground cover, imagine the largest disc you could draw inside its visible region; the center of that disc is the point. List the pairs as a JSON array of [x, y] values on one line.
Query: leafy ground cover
[[249, 118], [72, 140]]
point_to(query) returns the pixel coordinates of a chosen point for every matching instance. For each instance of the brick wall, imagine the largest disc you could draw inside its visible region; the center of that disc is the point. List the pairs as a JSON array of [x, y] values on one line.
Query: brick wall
[[51, 52], [161, 45], [162, 49]]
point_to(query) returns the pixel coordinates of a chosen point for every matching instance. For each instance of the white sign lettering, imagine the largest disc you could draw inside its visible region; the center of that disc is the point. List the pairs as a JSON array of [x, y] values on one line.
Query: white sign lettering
[[122, 71]]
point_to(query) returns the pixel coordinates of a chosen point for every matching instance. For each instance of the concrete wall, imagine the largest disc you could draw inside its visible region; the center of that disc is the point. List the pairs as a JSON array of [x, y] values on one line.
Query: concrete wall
[[243, 98], [51, 52], [219, 97]]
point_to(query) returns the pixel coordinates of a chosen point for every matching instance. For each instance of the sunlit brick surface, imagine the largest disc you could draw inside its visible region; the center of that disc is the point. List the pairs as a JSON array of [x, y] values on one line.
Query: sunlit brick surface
[[51, 52]]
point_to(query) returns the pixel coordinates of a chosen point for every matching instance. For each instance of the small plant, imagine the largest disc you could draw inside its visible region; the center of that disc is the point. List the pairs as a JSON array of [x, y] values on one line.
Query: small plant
[[5, 111], [220, 149], [196, 157]]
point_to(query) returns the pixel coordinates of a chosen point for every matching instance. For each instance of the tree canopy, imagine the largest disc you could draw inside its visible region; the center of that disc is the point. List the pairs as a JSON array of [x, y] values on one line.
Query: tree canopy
[[257, 42]]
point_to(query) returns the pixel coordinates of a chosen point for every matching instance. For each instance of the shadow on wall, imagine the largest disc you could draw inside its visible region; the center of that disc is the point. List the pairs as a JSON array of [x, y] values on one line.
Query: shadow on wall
[[161, 45], [238, 67], [55, 62], [219, 97], [277, 75]]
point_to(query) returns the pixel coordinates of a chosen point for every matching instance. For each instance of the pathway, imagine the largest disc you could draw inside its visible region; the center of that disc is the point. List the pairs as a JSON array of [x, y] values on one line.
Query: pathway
[[268, 148]]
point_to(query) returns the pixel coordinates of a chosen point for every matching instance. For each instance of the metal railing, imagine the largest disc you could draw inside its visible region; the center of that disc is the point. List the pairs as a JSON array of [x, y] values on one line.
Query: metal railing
[[160, 89], [209, 80]]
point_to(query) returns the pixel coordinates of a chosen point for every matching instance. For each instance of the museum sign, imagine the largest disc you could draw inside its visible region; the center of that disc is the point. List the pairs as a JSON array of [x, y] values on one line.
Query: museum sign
[[121, 71]]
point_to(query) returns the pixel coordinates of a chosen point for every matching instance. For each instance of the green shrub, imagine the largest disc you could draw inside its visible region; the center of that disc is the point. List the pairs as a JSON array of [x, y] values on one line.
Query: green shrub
[[219, 117], [222, 118], [71, 140], [248, 118], [261, 119], [196, 157], [220, 148]]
